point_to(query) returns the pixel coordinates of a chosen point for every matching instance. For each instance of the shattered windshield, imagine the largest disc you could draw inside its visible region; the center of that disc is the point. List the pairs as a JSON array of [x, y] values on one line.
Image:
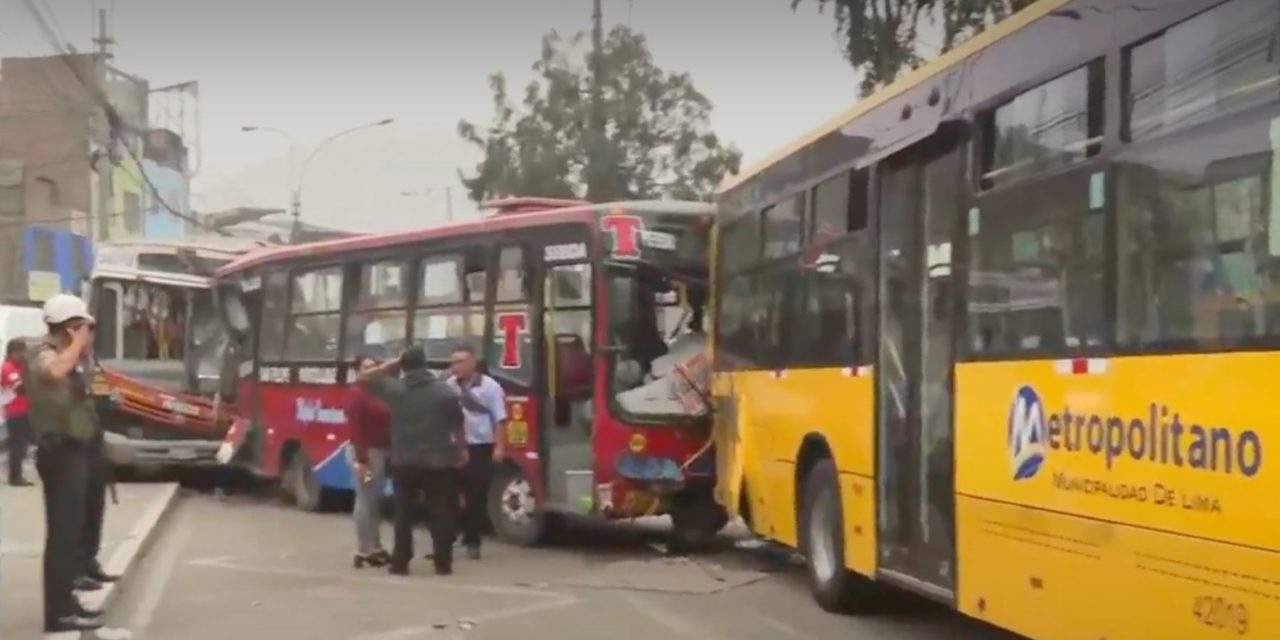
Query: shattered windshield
[[656, 338]]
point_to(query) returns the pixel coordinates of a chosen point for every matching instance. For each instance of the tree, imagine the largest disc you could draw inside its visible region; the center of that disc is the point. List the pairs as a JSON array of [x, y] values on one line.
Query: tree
[[654, 133], [881, 37]]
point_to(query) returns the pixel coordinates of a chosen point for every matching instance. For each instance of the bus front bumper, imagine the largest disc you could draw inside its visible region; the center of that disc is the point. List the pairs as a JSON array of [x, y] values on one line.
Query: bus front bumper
[[128, 452]]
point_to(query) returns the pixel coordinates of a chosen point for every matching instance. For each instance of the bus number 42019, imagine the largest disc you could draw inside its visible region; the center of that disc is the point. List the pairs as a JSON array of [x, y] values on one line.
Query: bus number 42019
[[1221, 614]]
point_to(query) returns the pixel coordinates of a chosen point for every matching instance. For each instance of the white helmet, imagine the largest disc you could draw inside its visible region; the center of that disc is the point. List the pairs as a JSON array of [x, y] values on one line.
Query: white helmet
[[64, 307]]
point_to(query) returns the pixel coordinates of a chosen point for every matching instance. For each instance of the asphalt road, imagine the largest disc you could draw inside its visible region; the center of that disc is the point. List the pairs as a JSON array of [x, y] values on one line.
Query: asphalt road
[[244, 568]]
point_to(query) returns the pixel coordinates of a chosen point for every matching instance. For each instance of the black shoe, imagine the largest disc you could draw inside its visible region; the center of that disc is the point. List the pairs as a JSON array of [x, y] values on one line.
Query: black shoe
[[473, 552], [21, 482], [73, 623], [398, 570], [85, 583], [444, 571], [102, 576]]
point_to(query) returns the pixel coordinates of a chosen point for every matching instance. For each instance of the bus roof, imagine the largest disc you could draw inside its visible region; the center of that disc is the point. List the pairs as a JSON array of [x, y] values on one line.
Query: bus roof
[[201, 244], [157, 261], [904, 84], [499, 222]]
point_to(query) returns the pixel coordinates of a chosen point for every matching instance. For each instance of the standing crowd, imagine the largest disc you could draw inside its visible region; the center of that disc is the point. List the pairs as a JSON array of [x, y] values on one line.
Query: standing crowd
[[436, 438], [49, 404]]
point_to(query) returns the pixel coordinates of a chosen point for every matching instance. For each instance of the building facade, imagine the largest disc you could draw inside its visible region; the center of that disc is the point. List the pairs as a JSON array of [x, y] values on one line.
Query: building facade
[[57, 147]]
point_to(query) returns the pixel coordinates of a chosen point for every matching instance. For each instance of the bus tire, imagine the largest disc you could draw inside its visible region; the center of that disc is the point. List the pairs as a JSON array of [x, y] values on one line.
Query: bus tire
[[517, 517], [300, 483], [836, 589]]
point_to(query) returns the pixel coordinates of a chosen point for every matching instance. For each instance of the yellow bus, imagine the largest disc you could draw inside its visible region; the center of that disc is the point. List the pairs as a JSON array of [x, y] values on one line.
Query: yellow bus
[[1006, 333]]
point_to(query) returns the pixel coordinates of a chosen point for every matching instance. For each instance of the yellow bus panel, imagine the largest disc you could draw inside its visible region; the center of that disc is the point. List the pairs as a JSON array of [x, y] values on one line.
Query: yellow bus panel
[[1102, 491], [775, 413]]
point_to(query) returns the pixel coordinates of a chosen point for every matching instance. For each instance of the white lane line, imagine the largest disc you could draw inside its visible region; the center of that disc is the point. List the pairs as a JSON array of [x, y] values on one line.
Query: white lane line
[[404, 633], [678, 625], [158, 582], [429, 583], [782, 627]]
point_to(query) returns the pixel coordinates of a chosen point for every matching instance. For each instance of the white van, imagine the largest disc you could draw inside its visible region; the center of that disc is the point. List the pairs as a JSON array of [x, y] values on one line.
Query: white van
[[18, 322]]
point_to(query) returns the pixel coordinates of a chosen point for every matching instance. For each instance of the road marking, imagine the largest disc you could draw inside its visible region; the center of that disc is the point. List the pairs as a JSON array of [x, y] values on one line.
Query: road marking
[[678, 625], [158, 583], [404, 633], [782, 627], [218, 563]]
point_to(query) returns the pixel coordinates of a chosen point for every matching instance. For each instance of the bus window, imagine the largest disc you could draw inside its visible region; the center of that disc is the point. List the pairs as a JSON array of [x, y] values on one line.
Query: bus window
[[513, 285], [106, 304], [443, 320], [315, 312], [740, 243], [1182, 76], [379, 316], [275, 298], [511, 314], [567, 323], [153, 322], [1049, 127], [1199, 246], [784, 227]]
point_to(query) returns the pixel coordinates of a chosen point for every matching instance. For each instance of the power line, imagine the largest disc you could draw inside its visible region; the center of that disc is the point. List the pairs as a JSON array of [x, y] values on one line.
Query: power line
[[115, 122]]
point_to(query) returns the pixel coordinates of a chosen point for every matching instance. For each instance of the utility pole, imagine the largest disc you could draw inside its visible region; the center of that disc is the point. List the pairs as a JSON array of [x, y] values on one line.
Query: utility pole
[[596, 176], [106, 135], [448, 203]]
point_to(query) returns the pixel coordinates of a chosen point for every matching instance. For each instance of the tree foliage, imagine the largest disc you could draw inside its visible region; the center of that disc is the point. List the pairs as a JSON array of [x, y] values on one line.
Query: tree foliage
[[653, 138], [881, 38]]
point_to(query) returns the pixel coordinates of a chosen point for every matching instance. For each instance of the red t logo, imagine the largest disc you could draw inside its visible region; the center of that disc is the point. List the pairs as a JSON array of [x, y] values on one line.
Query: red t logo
[[625, 231], [511, 324]]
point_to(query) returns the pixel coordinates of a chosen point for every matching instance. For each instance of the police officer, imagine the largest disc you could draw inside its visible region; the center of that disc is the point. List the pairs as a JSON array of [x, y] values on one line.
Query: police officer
[[65, 427]]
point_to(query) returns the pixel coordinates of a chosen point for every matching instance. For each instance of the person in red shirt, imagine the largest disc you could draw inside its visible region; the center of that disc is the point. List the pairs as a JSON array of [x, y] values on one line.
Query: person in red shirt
[[16, 420], [370, 448]]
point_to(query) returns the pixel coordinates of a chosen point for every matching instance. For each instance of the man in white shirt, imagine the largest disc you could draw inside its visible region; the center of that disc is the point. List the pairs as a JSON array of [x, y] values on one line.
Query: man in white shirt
[[484, 408]]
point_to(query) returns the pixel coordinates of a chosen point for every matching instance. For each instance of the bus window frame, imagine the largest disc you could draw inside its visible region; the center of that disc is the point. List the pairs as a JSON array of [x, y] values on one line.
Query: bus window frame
[[298, 270], [456, 249]]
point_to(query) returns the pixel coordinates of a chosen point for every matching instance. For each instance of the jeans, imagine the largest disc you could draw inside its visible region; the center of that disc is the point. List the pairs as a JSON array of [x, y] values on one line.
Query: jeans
[[368, 509], [64, 475], [416, 488]]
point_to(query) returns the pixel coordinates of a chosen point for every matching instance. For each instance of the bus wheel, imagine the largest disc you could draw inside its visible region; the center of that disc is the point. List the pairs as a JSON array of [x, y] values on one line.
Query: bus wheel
[[514, 511], [300, 483], [836, 589], [695, 521]]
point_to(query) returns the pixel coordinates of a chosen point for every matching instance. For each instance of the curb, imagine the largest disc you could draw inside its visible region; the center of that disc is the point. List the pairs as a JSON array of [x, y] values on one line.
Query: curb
[[127, 554]]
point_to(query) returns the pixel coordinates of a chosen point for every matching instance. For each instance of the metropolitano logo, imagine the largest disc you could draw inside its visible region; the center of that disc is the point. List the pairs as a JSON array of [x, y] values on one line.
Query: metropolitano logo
[[1028, 434]]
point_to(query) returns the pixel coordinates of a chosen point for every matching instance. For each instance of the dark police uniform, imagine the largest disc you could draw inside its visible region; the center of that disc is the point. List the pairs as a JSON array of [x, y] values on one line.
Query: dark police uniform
[[66, 428]]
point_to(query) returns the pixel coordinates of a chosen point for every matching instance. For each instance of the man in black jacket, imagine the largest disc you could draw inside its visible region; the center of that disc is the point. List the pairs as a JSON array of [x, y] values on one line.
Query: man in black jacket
[[427, 446]]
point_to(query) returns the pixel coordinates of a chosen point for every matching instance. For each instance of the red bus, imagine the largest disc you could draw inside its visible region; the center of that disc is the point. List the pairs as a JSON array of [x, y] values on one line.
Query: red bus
[[590, 316]]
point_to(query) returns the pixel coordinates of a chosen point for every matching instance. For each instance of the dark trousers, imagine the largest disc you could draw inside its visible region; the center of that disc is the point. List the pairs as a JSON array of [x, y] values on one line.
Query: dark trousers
[[20, 437], [64, 474], [418, 489], [95, 507], [476, 477]]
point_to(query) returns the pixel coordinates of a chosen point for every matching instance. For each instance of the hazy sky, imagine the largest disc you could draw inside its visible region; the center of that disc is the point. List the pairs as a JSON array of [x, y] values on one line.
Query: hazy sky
[[315, 67]]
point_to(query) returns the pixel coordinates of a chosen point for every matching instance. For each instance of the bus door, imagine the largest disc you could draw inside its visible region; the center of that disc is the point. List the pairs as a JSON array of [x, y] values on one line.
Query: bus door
[[566, 338], [918, 193]]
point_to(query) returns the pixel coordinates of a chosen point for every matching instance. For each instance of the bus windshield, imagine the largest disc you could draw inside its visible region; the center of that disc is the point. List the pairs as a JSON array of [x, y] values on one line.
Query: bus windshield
[[656, 305]]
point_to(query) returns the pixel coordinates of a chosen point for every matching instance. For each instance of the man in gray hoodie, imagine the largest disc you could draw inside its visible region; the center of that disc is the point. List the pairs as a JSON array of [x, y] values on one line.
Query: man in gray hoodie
[[428, 445]]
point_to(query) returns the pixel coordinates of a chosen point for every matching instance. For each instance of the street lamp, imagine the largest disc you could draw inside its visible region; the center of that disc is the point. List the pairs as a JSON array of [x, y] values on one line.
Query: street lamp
[[298, 179]]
